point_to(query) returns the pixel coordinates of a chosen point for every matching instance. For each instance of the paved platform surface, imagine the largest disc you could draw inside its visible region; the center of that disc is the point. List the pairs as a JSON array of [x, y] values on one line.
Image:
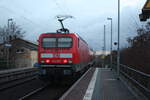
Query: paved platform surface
[[107, 87], [77, 91]]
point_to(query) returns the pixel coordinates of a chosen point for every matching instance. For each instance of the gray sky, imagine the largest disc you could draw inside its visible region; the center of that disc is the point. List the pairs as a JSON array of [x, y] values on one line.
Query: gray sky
[[38, 16]]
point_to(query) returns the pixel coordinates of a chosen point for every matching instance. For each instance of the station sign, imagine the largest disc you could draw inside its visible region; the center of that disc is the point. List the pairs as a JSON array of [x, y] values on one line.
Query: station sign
[[7, 45]]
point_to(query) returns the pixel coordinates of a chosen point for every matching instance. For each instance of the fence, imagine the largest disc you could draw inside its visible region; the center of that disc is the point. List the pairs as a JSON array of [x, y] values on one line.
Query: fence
[[138, 78]]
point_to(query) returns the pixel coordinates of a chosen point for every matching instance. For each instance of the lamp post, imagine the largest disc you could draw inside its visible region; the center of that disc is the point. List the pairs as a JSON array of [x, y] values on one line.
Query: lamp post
[[8, 25], [118, 49], [104, 45], [7, 45], [110, 43]]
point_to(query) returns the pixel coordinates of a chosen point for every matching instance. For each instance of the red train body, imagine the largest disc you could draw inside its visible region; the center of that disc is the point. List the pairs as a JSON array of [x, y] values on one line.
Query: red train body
[[65, 53]]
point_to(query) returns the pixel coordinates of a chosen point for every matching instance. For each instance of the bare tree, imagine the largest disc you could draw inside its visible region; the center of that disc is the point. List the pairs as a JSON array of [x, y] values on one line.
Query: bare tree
[[2, 34], [14, 31], [137, 54]]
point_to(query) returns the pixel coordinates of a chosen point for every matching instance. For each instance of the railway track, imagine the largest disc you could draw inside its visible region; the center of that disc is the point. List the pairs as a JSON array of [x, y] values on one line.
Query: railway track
[[16, 82], [17, 91], [19, 86], [48, 92], [51, 91], [14, 77], [33, 92]]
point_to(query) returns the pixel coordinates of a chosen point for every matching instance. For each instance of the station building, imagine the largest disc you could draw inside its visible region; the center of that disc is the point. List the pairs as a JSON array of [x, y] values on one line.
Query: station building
[[19, 53]]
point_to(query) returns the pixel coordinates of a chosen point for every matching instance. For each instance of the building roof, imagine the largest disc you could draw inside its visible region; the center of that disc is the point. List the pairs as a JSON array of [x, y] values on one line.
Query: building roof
[[145, 11], [24, 43]]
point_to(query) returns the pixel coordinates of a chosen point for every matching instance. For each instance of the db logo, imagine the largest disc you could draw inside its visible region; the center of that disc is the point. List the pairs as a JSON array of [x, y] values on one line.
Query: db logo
[[56, 55]]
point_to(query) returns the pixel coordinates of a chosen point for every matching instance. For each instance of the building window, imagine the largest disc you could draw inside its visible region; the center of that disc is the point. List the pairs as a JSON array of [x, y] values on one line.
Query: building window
[[2, 50], [20, 51], [9, 49]]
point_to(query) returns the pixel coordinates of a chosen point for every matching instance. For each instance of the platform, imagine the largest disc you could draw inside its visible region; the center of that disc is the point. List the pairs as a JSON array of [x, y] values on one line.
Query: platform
[[108, 87], [100, 84]]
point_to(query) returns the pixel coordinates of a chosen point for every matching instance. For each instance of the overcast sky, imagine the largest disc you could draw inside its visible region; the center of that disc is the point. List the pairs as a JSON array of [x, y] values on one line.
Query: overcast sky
[[38, 16]]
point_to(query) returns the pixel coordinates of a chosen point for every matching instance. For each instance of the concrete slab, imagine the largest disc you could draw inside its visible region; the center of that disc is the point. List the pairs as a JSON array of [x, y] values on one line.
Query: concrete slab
[[107, 87]]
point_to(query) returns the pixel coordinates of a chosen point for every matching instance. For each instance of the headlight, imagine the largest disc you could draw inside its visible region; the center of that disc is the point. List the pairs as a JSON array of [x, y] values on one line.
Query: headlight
[[65, 61], [47, 61]]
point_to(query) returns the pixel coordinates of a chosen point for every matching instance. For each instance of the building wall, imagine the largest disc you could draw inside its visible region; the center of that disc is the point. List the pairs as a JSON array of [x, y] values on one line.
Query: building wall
[[26, 59], [2, 52], [21, 59], [34, 57]]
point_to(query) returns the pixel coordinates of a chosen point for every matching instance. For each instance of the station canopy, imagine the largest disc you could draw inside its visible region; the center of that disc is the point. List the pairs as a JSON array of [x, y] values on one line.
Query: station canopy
[[145, 11]]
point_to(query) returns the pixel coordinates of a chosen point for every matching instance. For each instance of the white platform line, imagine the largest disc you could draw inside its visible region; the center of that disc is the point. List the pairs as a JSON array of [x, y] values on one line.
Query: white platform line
[[90, 90]]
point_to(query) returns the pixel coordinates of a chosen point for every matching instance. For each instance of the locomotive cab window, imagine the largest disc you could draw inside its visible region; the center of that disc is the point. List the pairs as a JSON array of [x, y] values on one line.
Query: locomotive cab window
[[49, 42], [57, 42], [64, 42]]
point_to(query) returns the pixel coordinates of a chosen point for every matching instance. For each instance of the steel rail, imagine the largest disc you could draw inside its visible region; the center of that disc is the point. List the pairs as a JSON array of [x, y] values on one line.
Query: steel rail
[[9, 78], [33, 92], [17, 73]]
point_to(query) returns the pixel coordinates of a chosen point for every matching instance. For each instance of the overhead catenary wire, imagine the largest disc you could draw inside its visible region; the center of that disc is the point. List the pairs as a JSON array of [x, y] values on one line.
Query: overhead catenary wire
[[60, 7], [134, 18], [21, 16], [135, 21], [132, 23], [66, 6]]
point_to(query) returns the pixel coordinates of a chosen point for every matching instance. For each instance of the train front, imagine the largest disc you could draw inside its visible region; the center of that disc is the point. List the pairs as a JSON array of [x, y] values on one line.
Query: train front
[[55, 54]]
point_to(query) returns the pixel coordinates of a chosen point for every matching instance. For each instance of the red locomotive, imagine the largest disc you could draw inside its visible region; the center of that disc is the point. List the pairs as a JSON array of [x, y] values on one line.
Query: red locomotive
[[67, 52], [63, 53]]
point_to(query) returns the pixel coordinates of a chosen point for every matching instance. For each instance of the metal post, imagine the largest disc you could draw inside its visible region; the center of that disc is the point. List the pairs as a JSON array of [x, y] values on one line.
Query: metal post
[[104, 45], [8, 41], [118, 49], [8, 30], [111, 43], [61, 23]]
